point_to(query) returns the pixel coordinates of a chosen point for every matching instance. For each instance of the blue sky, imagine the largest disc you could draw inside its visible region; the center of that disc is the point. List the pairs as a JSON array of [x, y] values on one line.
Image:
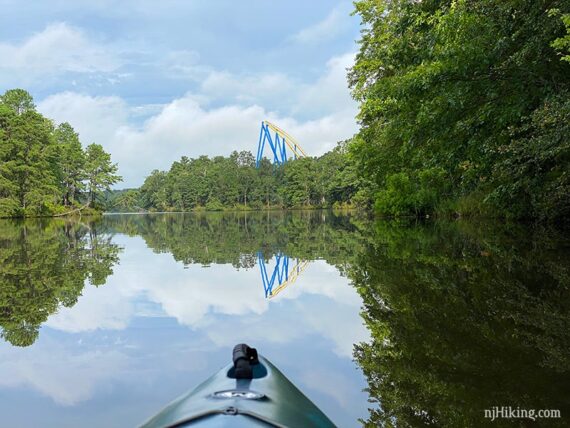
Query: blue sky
[[152, 81]]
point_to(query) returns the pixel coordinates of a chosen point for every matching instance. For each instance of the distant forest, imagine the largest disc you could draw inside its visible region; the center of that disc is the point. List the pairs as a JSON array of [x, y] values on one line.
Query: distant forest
[[234, 183], [44, 169], [464, 111]]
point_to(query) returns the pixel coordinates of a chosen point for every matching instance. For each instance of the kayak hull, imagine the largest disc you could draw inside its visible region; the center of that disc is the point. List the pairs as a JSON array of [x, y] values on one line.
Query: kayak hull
[[267, 400]]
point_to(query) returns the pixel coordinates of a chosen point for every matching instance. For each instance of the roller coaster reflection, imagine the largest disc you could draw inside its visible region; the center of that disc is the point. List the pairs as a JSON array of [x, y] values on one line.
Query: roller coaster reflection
[[282, 276]]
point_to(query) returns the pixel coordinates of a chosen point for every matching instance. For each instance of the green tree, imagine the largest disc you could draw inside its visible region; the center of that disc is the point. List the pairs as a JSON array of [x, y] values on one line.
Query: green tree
[[235, 182], [19, 100], [153, 191], [444, 84], [246, 175], [299, 177], [72, 161], [562, 44], [100, 171], [29, 167], [42, 168], [127, 201], [269, 178], [532, 176]]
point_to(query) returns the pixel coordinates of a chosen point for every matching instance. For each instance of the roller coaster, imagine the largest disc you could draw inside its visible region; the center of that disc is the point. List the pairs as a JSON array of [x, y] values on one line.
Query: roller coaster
[[282, 276], [278, 141]]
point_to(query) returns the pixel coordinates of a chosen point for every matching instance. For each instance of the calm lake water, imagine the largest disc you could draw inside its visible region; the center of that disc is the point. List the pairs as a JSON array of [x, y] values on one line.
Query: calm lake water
[[103, 323]]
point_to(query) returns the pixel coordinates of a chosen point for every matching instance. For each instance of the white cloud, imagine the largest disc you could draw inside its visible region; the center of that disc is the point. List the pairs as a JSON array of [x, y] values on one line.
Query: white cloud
[[51, 370], [321, 135], [185, 64], [331, 26], [58, 48], [330, 92], [97, 119], [330, 383], [97, 308], [186, 126], [251, 88], [327, 95], [182, 127], [146, 110], [224, 311]]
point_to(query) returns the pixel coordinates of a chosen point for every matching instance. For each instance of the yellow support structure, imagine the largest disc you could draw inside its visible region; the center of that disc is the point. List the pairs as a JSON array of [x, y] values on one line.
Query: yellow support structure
[[293, 275], [289, 140]]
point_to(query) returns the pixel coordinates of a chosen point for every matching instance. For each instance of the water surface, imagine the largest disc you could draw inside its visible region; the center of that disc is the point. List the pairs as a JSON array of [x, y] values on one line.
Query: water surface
[[105, 322]]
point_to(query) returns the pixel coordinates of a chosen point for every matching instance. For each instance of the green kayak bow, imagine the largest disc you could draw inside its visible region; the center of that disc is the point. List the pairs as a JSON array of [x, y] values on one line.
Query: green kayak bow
[[251, 392]]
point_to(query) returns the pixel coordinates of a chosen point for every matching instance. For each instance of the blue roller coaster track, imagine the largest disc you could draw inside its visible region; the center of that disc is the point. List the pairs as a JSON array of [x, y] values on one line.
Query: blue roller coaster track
[[282, 276], [278, 141]]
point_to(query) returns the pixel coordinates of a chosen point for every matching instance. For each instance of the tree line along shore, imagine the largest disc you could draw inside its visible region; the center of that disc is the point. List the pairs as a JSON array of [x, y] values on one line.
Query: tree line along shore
[[235, 183], [464, 111]]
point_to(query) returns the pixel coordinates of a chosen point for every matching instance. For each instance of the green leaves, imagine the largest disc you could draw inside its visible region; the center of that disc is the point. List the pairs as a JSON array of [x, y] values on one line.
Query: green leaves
[[532, 177], [562, 44], [18, 100], [441, 84], [42, 169], [416, 193], [235, 183], [100, 172], [72, 162]]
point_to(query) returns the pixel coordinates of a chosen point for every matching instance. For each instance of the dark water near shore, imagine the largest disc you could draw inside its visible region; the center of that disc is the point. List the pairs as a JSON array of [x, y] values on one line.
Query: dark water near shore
[[105, 322]]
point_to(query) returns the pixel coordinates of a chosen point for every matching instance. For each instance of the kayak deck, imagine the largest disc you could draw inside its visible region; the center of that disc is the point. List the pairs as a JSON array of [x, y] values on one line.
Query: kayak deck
[[268, 399]]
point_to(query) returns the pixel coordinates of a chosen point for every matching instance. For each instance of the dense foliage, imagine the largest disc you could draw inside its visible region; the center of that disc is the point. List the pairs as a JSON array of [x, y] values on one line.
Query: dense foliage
[[464, 317], [44, 170], [465, 106], [234, 182]]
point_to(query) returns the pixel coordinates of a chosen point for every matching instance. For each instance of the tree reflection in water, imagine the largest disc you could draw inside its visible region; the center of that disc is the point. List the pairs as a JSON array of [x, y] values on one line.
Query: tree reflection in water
[[464, 317], [44, 265]]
